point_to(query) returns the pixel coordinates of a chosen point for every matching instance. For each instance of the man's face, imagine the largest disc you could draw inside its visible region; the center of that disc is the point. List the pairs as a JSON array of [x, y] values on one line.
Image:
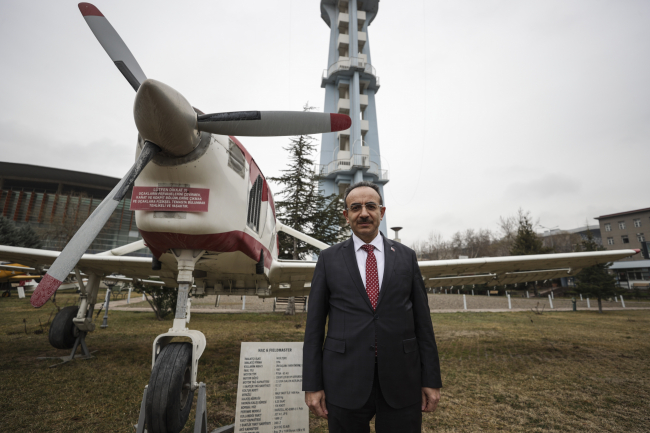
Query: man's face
[[364, 213]]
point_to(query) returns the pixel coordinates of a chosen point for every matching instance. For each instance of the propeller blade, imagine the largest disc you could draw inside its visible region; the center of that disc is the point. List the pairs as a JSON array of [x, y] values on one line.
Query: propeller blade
[[113, 45], [272, 123], [86, 234]]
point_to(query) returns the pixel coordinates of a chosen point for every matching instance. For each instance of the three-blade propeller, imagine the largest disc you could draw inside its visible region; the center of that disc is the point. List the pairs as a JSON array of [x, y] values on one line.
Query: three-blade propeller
[[162, 115]]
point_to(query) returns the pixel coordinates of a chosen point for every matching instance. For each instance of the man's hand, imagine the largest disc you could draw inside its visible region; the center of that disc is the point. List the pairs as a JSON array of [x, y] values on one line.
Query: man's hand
[[430, 399], [316, 402]]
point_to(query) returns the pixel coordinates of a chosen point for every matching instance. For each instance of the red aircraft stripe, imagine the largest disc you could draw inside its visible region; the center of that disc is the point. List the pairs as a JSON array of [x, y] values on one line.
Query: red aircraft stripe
[[339, 122], [44, 291], [89, 10]]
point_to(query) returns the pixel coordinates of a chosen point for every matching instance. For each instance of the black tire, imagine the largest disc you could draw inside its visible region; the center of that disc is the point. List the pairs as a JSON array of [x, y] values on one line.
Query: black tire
[[6, 294], [169, 398], [63, 333]]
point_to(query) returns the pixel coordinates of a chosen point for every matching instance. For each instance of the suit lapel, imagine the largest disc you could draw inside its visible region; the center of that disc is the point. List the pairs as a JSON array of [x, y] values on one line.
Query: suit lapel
[[389, 264], [350, 260]]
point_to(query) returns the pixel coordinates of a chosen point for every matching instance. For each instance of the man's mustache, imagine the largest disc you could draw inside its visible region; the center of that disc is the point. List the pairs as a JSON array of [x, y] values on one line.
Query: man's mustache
[[364, 220]]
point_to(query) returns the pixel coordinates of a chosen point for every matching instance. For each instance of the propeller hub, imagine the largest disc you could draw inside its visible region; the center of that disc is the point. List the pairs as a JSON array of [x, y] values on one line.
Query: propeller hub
[[164, 117]]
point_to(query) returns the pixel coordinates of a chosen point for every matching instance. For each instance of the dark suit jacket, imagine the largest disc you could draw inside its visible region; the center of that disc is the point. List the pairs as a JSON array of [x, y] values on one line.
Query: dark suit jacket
[[343, 363]]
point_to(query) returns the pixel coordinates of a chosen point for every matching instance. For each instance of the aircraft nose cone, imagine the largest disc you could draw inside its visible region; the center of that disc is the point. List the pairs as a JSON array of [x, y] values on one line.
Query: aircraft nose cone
[[164, 117]]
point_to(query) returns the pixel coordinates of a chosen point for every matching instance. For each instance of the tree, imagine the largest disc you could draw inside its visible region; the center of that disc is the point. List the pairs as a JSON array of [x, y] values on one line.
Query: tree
[[302, 206], [163, 299], [505, 237], [595, 280], [527, 242], [12, 236], [562, 242], [28, 238], [8, 232]]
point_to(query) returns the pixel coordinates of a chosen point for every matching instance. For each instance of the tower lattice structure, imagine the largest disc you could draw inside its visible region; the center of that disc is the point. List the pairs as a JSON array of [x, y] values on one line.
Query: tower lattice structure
[[351, 83]]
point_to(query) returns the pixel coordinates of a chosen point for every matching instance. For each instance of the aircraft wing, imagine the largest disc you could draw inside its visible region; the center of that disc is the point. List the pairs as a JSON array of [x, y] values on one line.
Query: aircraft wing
[[291, 277], [24, 277], [495, 271], [134, 267]]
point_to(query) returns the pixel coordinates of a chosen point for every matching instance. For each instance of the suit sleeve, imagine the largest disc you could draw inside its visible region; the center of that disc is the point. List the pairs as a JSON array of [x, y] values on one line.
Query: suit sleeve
[[430, 364], [312, 357]]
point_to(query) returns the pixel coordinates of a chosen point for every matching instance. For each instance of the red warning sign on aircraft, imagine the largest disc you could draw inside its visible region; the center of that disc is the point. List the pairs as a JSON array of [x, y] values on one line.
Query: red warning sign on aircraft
[[170, 199]]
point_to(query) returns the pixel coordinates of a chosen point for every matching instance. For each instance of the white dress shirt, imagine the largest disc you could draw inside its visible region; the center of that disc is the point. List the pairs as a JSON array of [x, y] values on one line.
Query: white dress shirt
[[362, 256]]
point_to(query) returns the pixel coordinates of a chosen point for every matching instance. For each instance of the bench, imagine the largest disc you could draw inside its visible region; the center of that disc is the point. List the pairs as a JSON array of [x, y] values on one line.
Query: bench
[[280, 304]]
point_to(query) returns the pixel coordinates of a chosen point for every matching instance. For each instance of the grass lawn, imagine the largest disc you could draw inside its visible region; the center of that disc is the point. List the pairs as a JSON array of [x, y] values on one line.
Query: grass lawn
[[517, 372]]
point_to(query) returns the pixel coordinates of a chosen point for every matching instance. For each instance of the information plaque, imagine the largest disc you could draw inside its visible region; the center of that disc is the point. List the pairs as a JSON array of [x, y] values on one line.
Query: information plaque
[[170, 198], [269, 395]]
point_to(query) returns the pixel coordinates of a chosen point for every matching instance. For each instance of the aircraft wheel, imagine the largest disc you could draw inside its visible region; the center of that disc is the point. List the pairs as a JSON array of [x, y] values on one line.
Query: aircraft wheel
[[63, 333], [169, 396]]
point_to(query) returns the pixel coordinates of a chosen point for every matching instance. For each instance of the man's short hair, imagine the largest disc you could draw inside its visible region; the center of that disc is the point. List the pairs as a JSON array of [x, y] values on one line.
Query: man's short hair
[[357, 185]]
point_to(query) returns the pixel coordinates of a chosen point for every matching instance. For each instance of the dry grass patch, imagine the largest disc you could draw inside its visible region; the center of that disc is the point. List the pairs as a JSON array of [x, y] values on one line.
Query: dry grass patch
[[502, 372]]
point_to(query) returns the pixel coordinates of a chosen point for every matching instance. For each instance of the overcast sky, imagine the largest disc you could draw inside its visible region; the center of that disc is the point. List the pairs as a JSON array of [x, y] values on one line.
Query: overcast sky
[[485, 106]]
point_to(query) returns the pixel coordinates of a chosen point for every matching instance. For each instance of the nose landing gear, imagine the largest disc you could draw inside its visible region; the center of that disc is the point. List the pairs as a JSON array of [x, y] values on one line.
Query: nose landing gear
[[167, 399]]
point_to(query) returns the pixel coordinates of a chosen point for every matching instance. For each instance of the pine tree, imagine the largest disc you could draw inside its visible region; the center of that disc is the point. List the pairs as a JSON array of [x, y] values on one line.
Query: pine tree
[[302, 207], [28, 238], [331, 227], [527, 242], [12, 236], [595, 280], [8, 233]]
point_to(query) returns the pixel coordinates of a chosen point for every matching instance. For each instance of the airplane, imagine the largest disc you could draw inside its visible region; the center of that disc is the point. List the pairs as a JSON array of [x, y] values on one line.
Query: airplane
[[206, 212], [14, 273]]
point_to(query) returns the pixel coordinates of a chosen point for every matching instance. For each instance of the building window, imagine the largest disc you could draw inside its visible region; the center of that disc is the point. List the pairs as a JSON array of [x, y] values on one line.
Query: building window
[[608, 227], [625, 239], [621, 225], [640, 237], [610, 241], [637, 222], [638, 274], [255, 204]]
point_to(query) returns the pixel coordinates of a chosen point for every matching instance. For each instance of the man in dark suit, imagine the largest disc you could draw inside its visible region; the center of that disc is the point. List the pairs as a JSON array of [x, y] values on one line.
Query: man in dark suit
[[380, 356]]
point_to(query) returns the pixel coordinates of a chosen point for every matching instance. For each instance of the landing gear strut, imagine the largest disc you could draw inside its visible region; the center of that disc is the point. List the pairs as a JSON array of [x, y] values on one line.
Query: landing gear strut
[[71, 325], [167, 399]]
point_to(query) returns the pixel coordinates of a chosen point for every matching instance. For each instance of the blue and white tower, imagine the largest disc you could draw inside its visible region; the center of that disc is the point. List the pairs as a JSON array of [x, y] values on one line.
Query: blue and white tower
[[350, 84]]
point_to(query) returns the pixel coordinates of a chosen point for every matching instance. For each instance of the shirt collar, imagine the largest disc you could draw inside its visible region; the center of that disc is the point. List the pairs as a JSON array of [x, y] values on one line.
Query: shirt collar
[[377, 242]]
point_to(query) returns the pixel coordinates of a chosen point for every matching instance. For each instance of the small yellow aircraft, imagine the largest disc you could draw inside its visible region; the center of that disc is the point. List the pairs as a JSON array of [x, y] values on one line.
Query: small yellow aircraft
[[12, 274]]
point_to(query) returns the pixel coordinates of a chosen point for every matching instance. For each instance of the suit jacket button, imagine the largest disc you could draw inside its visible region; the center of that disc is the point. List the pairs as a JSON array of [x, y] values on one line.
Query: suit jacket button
[[372, 348], [376, 316]]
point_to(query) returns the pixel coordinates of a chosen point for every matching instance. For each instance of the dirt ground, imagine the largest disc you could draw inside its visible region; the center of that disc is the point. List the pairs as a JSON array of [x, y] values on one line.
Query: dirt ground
[[512, 371]]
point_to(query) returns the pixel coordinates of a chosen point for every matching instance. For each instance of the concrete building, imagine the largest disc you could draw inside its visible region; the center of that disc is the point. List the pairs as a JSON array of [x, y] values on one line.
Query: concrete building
[[625, 230], [56, 203], [350, 84]]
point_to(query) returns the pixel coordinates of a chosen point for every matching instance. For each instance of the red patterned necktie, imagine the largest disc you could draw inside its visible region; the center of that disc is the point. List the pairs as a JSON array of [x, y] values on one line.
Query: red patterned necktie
[[372, 276]]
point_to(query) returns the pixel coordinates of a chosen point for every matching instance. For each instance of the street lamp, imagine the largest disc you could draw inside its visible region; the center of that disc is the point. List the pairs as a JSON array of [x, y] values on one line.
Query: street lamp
[[396, 230]]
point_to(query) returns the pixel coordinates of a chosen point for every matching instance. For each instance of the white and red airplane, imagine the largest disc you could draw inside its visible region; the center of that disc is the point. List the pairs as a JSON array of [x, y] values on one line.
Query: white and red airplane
[[206, 212]]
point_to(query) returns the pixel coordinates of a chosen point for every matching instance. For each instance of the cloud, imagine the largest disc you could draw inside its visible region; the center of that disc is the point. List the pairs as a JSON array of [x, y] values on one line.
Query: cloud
[[547, 186], [26, 145]]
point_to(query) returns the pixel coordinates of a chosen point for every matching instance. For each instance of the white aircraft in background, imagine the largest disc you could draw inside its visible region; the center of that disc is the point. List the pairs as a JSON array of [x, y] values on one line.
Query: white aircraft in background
[[206, 212]]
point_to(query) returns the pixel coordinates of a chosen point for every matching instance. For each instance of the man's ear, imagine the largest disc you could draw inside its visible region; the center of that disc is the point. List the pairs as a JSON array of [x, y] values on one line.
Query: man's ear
[[383, 211], [345, 214]]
